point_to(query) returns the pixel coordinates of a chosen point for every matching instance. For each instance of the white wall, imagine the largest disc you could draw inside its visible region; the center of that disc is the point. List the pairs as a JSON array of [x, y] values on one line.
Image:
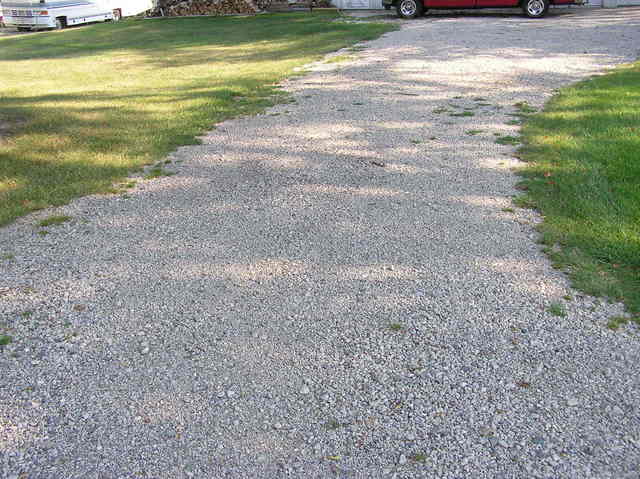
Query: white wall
[[358, 4]]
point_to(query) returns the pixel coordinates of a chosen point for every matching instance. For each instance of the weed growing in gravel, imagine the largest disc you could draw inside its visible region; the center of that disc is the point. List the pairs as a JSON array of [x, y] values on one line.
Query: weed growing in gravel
[[43, 232], [4, 340], [156, 172], [473, 132], [440, 110], [26, 314], [567, 297], [396, 327], [508, 140], [617, 321], [333, 425], [340, 59], [508, 210], [514, 122], [463, 113], [54, 220], [524, 107], [524, 201], [7, 257], [416, 142], [557, 309], [418, 457]]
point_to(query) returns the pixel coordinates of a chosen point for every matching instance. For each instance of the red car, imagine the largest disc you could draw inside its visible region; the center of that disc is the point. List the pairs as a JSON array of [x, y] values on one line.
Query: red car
[[416, 8]]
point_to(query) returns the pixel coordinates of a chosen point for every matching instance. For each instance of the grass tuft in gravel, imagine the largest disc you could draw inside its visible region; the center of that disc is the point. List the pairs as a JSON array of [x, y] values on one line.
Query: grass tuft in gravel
[[340, 58], [473, 132], [524, 107], [157, 172], [557, 309], [463, 113], [508, 140], [396, 327], [418, 457], [118, 96], [54, 220], [5, 340], [583, 175]]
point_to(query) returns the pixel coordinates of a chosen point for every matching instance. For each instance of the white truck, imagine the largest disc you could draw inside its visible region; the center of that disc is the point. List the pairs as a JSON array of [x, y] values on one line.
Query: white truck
[[59, 14]]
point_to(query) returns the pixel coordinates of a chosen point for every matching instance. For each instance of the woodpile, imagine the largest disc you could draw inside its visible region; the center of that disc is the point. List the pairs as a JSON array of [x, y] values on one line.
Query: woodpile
[[180, 8]]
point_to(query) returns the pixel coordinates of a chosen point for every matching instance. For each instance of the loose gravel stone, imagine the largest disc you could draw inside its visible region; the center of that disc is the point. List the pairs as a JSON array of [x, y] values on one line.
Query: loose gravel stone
[[355, 245]]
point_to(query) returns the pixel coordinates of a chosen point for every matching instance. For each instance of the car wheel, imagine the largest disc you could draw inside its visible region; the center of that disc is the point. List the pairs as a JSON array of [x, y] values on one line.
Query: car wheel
[[410, 8], [536, 8]]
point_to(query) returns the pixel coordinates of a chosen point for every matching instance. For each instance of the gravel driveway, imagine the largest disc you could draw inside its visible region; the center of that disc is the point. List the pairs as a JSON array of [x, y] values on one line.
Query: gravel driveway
[[331, 289]]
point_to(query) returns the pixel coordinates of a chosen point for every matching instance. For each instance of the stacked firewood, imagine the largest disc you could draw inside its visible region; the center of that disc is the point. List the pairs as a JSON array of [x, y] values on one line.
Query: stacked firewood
[[176, 8]]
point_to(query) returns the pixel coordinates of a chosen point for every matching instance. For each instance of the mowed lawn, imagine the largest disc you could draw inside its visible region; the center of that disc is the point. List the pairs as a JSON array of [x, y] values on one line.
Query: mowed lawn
[[88, 106], [584, 176]]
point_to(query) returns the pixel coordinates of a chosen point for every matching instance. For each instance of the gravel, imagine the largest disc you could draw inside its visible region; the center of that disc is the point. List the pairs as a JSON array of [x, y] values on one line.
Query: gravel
[[284, 306]]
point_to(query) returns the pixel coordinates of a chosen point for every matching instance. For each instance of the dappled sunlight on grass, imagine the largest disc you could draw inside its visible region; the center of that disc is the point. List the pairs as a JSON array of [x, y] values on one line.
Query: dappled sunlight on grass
[[119, 96]]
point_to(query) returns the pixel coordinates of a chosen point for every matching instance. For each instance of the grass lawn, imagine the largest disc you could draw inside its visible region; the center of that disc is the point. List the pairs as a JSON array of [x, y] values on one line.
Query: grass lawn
[[584, 176], [87, 106]]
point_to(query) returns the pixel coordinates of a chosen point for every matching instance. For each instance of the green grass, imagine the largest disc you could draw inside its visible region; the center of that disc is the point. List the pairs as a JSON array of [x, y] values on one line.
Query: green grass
[[88, 106], [396, 327], [583, 174], [473, 132], [4, 340], [53, 221]]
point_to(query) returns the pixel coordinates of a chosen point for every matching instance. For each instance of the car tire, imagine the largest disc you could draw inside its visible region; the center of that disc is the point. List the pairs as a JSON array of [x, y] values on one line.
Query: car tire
[[410, 8], [535, 8]]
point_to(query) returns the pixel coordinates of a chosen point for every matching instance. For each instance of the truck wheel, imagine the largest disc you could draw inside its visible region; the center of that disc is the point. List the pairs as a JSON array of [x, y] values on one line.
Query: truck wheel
[[536, 8], [61, 23], [410, 8]]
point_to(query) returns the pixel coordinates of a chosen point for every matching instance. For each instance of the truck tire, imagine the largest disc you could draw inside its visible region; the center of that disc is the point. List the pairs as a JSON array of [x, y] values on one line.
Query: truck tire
[[61, 23], [410, 8]]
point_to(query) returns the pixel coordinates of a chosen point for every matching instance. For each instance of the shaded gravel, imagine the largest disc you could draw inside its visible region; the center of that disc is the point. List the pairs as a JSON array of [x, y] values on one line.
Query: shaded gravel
[[331, 289]]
